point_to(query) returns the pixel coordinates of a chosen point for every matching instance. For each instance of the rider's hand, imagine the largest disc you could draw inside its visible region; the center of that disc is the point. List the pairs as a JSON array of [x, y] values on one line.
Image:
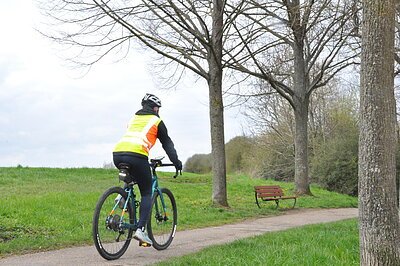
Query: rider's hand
[[178, 165]]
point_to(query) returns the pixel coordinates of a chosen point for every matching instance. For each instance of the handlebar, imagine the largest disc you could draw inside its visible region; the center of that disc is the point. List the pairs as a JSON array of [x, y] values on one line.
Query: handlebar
[[154, 163]]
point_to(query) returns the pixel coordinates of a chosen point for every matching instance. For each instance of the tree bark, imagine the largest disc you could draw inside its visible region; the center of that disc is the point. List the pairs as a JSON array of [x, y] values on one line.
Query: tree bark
[[379, 215], [219, 194], [302, 186], [300, 104]]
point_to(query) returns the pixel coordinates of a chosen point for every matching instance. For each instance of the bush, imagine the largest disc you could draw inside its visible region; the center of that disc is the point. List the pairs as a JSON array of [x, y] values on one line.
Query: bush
[[276, 155], [237, 149], [198, 163], [334, 164]]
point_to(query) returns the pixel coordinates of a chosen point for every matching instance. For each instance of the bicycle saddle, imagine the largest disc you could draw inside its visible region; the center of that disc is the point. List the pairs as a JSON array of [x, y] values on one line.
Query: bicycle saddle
[[124, 174], [123, 166]]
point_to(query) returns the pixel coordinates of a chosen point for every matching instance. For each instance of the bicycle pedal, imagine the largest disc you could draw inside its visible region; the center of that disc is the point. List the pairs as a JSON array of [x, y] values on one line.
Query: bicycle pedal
[[144, 244]]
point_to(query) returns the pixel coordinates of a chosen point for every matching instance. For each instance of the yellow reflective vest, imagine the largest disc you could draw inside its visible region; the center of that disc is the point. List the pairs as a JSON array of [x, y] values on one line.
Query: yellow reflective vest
[[140, 136]]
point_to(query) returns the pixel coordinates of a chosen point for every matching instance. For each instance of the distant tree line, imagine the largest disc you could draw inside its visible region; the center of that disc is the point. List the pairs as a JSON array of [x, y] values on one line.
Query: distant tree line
[[269, 151]]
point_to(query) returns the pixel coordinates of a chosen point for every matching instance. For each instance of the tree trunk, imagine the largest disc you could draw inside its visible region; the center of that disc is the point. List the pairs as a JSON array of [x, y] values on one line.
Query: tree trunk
[[219, 194], [301, 147], [379, 215], [301, 104]]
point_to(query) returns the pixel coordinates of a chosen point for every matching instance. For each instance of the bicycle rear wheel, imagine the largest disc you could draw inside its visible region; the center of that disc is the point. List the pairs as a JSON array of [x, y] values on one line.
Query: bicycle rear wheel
[[163, 219], [110, 237]]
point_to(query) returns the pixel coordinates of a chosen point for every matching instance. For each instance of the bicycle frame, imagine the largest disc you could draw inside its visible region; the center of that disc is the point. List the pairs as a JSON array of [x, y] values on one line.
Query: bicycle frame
[[156, 189], [132, 196]]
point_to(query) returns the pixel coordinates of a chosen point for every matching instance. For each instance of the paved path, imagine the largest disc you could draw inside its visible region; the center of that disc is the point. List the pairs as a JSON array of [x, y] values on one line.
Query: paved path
[[185, 241]]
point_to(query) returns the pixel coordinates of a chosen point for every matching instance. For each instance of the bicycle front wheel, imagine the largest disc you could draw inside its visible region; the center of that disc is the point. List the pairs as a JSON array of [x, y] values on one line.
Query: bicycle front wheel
[[163, 219], [111, 236]]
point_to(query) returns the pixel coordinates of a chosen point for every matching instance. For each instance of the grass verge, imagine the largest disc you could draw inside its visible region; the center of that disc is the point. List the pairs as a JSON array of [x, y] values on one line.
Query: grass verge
[[323, 244], [50, 208]]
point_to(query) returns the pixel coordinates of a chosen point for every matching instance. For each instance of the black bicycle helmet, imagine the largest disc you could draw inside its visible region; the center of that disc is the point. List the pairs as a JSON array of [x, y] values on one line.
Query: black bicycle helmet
[[151, 100]]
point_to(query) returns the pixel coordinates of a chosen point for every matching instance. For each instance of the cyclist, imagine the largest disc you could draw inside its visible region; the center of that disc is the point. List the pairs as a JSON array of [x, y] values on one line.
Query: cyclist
[[143, 130]]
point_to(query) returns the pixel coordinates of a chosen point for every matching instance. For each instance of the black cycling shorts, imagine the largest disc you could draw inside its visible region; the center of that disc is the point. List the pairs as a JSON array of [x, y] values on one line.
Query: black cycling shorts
[[139, 169]]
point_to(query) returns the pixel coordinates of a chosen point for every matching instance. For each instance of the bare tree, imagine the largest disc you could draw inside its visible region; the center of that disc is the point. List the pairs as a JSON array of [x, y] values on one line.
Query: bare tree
[[311, 40], [187, 34], [379, 216], [271, 120]]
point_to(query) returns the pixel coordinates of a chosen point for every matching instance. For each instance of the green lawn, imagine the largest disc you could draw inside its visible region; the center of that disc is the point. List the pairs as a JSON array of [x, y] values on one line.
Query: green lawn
[[47, 208], [323, 244]]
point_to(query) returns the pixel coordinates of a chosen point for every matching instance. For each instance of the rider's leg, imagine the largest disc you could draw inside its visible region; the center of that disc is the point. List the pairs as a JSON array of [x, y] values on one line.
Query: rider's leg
[[144, 179], [140, 169], [145, 185]]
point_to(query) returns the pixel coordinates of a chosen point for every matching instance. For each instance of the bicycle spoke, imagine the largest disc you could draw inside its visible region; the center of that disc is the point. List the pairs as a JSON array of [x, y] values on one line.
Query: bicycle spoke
[[162, 224]]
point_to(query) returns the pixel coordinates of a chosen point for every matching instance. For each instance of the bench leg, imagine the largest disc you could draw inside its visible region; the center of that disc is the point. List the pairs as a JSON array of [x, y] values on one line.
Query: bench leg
[[257, 200], [294, 204], [277, 203]]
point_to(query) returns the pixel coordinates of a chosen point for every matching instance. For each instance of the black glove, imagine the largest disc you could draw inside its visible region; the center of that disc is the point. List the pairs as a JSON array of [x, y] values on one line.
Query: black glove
[[178, 165]]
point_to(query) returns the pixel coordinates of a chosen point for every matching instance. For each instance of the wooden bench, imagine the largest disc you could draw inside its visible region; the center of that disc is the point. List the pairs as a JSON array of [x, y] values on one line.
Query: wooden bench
[[271, 193]]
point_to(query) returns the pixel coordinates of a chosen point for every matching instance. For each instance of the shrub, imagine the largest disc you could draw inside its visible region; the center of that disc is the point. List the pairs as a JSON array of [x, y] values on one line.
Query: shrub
[[237, 149], [334, 164], [198, 163]]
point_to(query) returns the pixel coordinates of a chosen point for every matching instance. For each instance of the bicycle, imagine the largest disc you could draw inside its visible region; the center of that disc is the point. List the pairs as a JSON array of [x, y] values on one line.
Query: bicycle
[[115, 217]]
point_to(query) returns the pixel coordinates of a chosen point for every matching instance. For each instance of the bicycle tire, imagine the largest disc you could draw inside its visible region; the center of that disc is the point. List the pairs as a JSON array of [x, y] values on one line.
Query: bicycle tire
[[161, 226], [111, 241]]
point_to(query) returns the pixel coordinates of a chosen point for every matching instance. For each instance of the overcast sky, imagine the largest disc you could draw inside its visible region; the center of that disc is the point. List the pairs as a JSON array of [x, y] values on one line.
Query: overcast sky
[[51, 118]]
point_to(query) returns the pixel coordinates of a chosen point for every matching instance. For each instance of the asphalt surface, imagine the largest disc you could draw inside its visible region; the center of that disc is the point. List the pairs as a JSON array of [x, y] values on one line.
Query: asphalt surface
[[185, 242]]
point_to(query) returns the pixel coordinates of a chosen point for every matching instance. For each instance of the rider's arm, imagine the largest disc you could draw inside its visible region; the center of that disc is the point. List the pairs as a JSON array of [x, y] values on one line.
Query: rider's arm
[[167, 143]]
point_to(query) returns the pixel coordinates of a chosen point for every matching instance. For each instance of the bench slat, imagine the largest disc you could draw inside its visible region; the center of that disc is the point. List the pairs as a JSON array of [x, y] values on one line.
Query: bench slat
[[269, 194], [269, 188], [278, 198]]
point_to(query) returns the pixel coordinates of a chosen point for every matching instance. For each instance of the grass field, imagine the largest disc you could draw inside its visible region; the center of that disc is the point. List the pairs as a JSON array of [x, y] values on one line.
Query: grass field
[[323, 244], [47, 208]]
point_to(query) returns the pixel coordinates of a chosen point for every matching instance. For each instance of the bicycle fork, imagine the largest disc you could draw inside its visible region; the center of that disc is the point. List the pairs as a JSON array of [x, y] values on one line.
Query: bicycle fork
[[161, 211]]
